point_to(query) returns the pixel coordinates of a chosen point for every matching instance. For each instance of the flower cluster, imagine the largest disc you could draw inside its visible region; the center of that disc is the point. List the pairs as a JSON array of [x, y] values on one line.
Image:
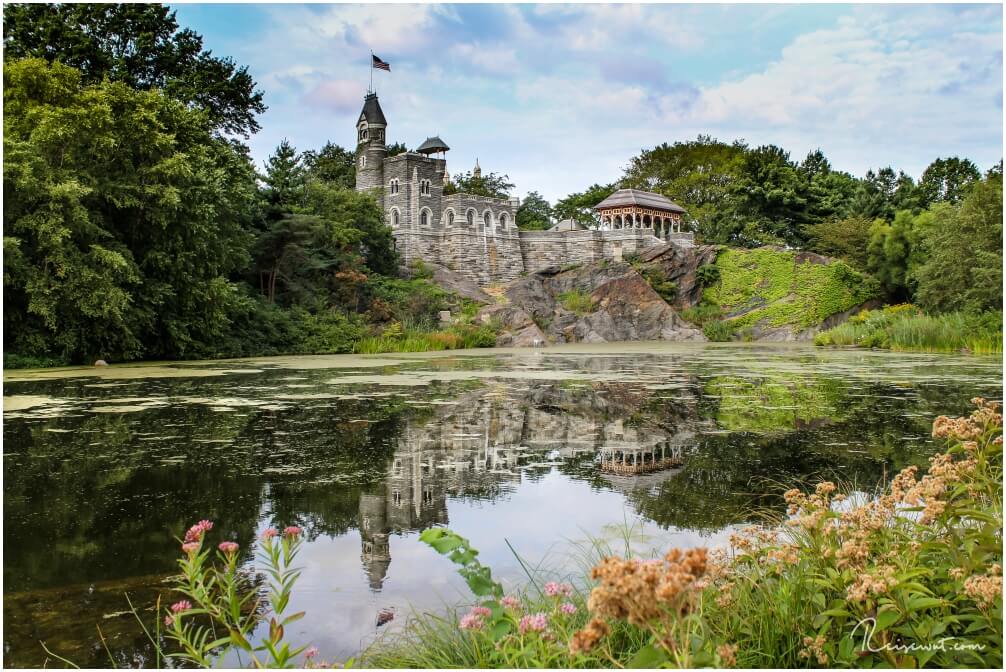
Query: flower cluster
[[985, 589], [228, 547], [197, 531], [553, 589], [475, 618], [814, 646], [586, 639], [533, 623], [510, 602]]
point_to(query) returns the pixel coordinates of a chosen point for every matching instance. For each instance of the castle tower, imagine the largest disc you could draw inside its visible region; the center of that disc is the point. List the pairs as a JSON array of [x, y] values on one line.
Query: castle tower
[[370, 148]]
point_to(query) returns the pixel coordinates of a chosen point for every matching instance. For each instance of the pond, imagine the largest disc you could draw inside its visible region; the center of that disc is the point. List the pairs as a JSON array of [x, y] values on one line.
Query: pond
[[537, 450]]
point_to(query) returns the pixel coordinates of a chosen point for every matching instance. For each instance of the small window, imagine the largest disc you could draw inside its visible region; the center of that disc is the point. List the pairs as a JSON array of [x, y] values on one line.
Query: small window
[[471, 217], [450, 218], [394, 218], [487, 219], [363, 161], [424, 218], [504, 220]]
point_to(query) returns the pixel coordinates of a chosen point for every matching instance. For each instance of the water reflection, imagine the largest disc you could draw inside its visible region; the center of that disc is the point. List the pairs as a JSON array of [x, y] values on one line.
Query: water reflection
[[102, 475]]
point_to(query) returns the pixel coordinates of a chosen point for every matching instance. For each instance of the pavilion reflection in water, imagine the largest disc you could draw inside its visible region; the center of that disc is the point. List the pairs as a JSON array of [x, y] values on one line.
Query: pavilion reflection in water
[[480, 448]]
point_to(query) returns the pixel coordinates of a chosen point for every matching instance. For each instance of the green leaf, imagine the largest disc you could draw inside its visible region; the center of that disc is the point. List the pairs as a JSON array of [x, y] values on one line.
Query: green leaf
[[445, 545], [887, 618], [648, 657]]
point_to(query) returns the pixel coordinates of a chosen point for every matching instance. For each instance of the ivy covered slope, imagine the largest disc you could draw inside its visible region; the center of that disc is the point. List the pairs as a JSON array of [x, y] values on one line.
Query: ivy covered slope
[[776, 294]]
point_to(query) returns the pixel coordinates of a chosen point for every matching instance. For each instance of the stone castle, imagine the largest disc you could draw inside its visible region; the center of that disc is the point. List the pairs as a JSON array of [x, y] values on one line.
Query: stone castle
[[477, 236]]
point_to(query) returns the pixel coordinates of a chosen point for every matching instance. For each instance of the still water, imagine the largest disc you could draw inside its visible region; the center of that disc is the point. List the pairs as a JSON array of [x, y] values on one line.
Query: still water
[[105, 468]]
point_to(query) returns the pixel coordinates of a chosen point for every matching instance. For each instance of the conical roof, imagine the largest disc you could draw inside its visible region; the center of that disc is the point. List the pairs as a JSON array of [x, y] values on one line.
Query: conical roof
[[372, 112], [433, 145], [645, 199]]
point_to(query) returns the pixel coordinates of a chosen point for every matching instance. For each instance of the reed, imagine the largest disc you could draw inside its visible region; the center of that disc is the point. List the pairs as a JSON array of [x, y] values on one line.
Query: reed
[[907, 329]]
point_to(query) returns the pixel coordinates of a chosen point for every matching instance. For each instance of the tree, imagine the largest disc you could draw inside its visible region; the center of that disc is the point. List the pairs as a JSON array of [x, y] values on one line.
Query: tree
[[947, 180], [771, 195], [890, 254], [534, 213], [845, 238], [285, 180], [491, 184], [396, 148], [332, 164], [123, 218], [140, 45], [964, 268], [580, 206]]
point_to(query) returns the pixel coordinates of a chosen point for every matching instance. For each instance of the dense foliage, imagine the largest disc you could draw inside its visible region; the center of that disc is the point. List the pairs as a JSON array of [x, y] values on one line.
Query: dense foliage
[[534, 213], [141, 46], [476, 184]]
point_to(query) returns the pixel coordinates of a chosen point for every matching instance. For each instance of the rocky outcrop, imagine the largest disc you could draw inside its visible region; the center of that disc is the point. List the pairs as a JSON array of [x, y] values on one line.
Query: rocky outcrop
[[594, 303], [458, 284], [679, 265]]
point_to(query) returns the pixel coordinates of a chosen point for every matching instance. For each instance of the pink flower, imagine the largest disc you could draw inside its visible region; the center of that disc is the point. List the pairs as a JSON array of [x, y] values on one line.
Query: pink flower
[[471, 621], [311, 652], [183, 605], [228, 547], [510, 602], [481, 611], [191, 547], [533, 623], [169, 621], [553, 589], [568, 608], [292, 531], [270, 533], [196, 532]]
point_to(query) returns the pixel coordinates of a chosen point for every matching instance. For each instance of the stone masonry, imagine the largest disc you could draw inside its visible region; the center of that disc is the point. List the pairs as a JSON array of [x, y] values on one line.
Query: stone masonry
[[474, 236]]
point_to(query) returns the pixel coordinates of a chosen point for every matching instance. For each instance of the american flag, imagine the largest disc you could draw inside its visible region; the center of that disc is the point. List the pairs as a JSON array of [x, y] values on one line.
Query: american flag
[[379, 64]]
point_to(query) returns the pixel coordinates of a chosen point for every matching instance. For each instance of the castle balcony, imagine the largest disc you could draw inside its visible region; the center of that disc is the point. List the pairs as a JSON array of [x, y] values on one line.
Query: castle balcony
[[461, 196]]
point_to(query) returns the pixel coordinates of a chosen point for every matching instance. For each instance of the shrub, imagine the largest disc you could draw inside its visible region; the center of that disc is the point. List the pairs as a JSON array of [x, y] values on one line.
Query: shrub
[[657, 279], [707, 274], [702, 313], [718, 331], [577, 301], [13, 360]]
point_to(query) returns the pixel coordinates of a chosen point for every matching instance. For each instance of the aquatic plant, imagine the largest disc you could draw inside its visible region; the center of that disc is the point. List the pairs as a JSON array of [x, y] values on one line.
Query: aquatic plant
[[904, 327]]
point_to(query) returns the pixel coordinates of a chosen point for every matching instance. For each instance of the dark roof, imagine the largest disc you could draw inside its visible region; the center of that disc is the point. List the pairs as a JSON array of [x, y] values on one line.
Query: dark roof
[[434, 144], [372, 110], [644, 199]]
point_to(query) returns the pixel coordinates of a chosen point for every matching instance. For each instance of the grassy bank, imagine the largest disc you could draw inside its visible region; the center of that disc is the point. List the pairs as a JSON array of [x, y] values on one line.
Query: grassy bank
[[907, 576], [906, 328], [769, 288]]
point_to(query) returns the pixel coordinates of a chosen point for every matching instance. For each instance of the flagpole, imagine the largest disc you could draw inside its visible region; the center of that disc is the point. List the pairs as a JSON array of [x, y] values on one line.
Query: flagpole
[[371, 71]]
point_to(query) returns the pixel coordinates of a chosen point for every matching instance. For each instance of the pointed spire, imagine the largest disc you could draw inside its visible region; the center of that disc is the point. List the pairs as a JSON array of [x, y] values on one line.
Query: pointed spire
[[478, 171]]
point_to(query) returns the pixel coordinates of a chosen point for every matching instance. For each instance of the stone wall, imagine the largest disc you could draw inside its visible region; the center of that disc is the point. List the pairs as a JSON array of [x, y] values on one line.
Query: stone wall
[[544, 249]]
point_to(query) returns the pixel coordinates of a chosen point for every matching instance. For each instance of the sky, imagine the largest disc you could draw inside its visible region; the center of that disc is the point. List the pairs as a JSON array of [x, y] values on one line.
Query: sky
[[559, 97]]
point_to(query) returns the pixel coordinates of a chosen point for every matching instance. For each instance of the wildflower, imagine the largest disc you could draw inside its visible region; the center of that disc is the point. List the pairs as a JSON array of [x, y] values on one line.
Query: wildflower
[[292, 531], [585, 640], [510, 602], [568, 608], [190, 547], [814, 646], [867, 584], [957, 573], [228, 547], [270, 533], [183, 605], [471, 622], [533, 623], [727, 654], [196, 532], [169, 621], [553, 589], [481, 611], [985, 589], [311, 652]]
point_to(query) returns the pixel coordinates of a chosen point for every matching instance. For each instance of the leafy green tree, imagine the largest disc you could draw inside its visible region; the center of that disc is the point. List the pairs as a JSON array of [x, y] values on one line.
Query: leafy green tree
[[397, 148], [140, 45], [123, 218], [890, 254], [846, 238], [964, 268], [332, 164], [772, 195], [490, 184], [947, 180], [580, 206], [534, 213]]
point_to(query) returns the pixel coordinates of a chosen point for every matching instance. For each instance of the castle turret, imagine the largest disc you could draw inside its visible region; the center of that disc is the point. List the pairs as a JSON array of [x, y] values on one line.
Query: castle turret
[[370, 148]]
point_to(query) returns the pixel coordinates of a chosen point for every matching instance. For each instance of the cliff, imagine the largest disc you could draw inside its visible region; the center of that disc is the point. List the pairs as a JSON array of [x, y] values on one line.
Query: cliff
[[680, 293]]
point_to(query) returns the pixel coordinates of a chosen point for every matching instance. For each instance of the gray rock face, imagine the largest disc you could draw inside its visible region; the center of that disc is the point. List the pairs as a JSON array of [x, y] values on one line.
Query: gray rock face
[[459, 284], [679, 265], [624, 308]]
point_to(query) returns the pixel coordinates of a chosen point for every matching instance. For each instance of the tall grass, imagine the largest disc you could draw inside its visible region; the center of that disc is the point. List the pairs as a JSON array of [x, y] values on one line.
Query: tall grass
[[906, 328], [577, 301], [455, 337]]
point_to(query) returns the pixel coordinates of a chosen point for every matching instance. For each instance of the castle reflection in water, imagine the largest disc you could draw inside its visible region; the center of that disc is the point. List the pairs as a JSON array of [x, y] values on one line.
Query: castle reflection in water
[[487, 440]]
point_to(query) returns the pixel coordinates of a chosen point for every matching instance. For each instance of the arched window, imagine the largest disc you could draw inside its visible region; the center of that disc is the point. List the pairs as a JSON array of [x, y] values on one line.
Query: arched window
[[470, 216], [487, 219], [394, 218], [424, 218], [450, 218], [504, 221], [363, 161]]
